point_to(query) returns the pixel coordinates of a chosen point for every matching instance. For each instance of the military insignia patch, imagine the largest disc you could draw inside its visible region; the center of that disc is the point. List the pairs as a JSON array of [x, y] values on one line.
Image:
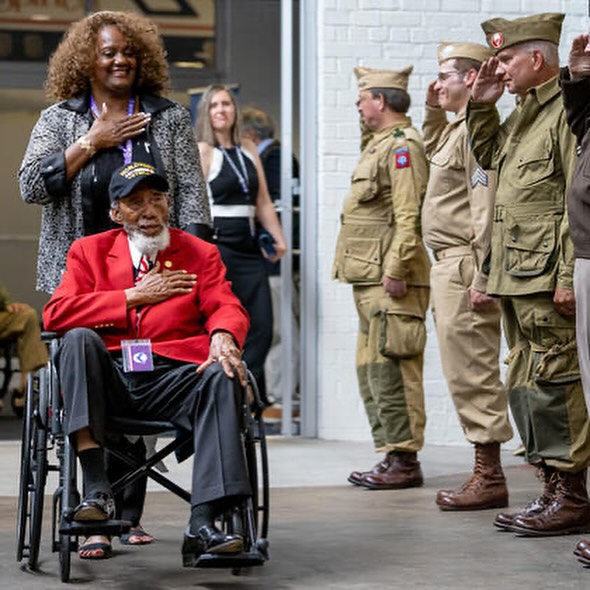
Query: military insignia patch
[[497, 40], [479, 177], [402, 158]]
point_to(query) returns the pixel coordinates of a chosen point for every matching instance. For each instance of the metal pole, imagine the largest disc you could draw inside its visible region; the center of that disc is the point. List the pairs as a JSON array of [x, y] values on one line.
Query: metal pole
[[287, 385], [309, 231]]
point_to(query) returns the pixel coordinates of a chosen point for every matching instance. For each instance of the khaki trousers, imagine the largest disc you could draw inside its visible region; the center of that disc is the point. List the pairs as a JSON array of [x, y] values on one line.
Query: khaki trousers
[[391, 387], [469, 343], [543, 382], [24, 326]]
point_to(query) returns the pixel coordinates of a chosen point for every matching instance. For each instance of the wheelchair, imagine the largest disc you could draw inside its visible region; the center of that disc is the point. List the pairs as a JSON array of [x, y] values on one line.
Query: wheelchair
[[43, 438]]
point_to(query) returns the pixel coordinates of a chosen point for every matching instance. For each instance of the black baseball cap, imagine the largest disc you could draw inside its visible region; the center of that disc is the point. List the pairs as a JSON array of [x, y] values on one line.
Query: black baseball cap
[[129, 176]]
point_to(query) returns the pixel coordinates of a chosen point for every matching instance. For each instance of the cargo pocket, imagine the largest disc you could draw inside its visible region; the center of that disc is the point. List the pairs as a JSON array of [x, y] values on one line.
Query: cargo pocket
[[362, 260], [401, 335], [556, 366], [529, 247]]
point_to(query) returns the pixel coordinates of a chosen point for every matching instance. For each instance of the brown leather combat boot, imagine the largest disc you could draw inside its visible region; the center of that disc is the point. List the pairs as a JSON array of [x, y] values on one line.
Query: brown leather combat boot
[[357, 477], [505, 520], [403, 471], [568, 512], [486, 488]]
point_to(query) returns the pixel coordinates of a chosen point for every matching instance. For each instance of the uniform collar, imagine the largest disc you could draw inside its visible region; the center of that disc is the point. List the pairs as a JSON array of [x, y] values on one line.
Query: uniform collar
[[402, 123], [545, 91]]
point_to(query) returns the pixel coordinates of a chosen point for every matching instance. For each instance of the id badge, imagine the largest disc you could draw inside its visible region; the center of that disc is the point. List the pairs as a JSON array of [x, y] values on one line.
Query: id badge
[[137, 355]]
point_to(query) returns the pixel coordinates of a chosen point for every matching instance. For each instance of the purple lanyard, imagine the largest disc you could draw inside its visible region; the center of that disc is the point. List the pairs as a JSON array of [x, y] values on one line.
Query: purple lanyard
[[127, 147]]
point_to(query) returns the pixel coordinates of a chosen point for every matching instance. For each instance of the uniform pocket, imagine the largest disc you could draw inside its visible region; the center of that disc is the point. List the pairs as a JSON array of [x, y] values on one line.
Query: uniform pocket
[[537, 164], [529, 246], [364, 182], [557, 366], [362, 260], [401, 335]]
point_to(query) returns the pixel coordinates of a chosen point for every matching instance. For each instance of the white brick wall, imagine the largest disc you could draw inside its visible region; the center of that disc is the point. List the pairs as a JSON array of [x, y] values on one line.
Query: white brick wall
[[385, 34]]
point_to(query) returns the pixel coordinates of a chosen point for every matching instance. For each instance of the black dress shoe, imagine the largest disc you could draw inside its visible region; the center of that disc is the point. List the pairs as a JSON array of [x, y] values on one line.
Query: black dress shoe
[[96, 506], [209, 539]]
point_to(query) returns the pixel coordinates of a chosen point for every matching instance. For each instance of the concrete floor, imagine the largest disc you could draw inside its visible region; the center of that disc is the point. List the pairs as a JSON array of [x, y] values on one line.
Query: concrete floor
[[326, 534]]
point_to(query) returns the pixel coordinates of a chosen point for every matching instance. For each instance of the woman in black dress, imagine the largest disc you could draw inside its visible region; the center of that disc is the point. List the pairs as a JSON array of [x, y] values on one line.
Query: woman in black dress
[[239, 202]]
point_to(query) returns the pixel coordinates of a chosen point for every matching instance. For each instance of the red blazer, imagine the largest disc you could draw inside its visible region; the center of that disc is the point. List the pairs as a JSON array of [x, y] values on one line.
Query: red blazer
[[99, 269]]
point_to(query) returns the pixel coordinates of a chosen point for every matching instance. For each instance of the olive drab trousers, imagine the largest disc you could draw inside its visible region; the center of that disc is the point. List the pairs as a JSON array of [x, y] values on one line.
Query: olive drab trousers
[[389, 361], [543, 382], [469, 343]]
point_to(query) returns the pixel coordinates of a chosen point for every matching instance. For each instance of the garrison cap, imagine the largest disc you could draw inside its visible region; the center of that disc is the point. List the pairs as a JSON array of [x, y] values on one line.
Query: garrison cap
[[502, 33], [454, 50], [368, 78], [129, 176]]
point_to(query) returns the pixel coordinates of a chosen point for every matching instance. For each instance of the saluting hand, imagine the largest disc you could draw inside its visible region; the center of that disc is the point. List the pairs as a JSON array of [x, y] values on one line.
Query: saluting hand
[[158, 286], [223, 350], [578, 62], [432, 95], [488, 86], [107, 132]]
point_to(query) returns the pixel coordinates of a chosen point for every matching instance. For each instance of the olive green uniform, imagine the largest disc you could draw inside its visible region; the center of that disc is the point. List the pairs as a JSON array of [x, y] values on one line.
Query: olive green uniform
[[534, 154], [380, 236], [456, 224]]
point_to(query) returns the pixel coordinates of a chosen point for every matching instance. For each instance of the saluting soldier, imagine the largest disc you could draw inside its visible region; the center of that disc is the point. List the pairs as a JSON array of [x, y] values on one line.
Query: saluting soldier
[[532, 264], [380, 252], [456, 224]]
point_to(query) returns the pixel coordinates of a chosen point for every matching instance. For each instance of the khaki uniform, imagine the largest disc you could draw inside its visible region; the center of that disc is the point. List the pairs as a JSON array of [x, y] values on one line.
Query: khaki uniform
[[24, 327], [456, 224], [380, 235], [534, 154]]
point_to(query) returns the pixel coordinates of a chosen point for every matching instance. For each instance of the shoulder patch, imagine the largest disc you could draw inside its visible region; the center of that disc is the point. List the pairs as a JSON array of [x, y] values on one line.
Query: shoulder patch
[[399, 133], [402, 157], [479, 177]]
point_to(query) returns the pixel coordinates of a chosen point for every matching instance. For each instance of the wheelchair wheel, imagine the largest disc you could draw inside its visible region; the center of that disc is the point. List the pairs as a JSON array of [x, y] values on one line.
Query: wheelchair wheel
[[68, 498], [33, 474]]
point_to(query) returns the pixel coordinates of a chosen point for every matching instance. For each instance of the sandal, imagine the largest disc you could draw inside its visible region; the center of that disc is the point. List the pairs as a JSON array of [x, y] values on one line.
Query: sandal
[[136, 536], [95, 547]]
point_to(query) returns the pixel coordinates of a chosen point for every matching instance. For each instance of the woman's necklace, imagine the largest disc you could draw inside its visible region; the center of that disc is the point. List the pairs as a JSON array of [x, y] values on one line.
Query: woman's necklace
[[127, 147], [243, 174]]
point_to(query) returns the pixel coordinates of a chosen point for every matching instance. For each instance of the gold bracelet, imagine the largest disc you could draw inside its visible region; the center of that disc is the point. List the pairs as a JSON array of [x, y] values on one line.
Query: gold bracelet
[[85, 144]]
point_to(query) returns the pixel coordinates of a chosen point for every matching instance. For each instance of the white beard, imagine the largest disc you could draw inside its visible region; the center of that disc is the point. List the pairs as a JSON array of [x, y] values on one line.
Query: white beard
[[149, 245]]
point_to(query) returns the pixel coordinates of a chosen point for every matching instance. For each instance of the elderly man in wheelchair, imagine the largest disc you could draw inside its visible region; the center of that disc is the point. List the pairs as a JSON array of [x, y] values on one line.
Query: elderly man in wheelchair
[[151, 329]]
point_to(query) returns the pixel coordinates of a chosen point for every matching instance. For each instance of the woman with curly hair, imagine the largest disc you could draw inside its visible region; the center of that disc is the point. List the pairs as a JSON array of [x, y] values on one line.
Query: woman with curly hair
[[108, 76]]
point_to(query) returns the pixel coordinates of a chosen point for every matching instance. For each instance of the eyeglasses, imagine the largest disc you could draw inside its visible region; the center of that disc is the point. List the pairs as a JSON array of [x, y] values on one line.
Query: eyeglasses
[[442, 76]]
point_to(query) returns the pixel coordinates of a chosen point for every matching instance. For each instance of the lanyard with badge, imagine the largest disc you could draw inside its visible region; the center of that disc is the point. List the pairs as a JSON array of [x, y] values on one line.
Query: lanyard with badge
[[242, 175], [127, 147]]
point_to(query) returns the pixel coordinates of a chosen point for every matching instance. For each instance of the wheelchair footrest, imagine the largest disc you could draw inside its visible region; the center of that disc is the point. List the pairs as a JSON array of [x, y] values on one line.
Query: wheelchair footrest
[[251, 558], [97, 527]]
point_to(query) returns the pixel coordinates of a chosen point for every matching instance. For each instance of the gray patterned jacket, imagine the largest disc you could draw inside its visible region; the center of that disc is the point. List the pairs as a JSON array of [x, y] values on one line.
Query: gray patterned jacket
[[42, 176]]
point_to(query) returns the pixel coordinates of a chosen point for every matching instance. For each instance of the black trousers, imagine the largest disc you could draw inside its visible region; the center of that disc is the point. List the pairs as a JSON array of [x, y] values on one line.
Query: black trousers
[[95, 386], [249, 280]]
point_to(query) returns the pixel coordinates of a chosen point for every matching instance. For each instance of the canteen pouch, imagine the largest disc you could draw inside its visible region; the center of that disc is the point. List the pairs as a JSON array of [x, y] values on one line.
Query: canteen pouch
[[401, 335]]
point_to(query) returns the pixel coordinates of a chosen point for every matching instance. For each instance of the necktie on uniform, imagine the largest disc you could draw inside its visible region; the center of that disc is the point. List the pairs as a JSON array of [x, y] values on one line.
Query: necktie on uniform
[[144, 267]]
